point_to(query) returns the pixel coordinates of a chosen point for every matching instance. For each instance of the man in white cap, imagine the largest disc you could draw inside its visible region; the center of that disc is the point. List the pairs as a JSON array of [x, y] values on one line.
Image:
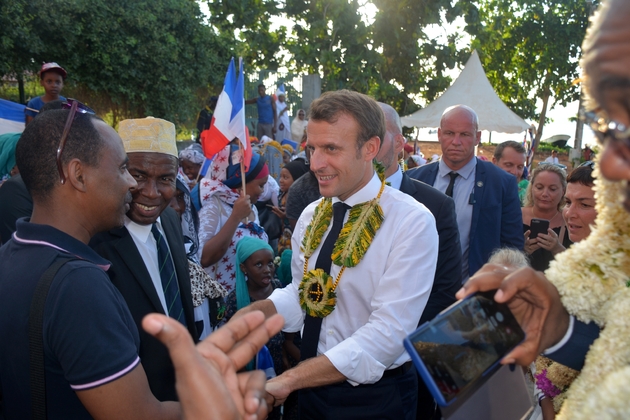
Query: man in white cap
[[149, 264]]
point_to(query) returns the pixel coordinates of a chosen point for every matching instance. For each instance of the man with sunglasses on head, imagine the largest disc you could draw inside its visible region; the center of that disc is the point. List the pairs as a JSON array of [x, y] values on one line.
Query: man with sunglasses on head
[[75, 167], [533, 299]]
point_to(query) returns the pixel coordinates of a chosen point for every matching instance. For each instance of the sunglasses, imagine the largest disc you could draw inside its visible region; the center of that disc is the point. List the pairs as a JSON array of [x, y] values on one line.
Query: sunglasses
[[606, 129], [74, 106]]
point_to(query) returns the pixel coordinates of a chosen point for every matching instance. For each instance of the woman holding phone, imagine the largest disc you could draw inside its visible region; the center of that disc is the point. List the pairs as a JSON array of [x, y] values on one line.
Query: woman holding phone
[[543, 203]]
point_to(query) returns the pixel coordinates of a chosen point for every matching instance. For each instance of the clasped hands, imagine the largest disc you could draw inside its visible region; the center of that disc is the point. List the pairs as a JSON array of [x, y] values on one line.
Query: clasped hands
[[207, 380]]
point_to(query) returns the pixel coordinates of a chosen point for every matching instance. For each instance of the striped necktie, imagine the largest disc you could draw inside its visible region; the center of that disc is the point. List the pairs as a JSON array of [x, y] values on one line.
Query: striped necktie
[[169, 278]]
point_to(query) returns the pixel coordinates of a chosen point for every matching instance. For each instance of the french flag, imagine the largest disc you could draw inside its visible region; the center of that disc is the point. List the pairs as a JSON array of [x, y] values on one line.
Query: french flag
[[228, 120], [11, 117]]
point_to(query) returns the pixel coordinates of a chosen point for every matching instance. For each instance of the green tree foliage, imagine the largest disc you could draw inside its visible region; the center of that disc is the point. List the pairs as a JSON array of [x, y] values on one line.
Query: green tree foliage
[[530, 50], [17, 39], [247, 23], [131, 58], [413, 60], [331, 39]]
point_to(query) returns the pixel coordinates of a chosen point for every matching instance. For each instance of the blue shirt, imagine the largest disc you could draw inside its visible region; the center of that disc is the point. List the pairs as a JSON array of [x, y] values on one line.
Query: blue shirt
[[462, 189], [89, 336], [265, 111], [37, 103]]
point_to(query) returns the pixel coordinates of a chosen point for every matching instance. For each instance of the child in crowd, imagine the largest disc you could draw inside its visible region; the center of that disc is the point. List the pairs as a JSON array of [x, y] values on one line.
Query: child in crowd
[[52, 77], [255, 280]]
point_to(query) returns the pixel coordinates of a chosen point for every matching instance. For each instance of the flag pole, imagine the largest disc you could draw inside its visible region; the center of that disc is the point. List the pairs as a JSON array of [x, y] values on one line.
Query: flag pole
[[240, 147]]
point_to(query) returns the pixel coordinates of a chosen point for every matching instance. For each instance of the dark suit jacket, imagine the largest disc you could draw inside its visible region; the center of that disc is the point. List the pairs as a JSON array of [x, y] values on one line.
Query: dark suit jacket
[[573, 353], [448, 271], [130, 276], [497, 221]]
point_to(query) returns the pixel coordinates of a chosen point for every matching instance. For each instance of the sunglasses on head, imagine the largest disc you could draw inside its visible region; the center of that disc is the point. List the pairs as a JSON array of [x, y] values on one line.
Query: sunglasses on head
[[74, 106]]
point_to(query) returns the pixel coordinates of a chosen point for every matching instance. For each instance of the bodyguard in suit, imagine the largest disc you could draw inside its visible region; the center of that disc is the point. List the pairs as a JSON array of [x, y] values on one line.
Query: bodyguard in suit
[[449, 265], [486, 197], [149, 264], [447, 280]]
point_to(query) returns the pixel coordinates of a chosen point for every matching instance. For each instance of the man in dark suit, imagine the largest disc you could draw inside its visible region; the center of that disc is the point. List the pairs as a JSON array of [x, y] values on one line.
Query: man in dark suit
[[486, 197], [141, 265], [449, 264]]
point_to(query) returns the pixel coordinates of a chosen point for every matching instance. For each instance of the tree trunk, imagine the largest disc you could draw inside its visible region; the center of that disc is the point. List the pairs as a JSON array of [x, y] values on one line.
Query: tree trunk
[[543, 113], [20, 80], [579, 127]]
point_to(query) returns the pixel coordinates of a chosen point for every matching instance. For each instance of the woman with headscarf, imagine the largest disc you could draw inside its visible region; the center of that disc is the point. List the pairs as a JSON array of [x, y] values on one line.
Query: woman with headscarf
[[8, 168], [227, 214], [282, 110], [190, 160], [298, 126], [255, 280], [207, 294]]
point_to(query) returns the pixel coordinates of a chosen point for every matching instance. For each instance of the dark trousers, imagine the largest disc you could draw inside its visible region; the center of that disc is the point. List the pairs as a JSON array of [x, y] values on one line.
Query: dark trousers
[[392, 398]]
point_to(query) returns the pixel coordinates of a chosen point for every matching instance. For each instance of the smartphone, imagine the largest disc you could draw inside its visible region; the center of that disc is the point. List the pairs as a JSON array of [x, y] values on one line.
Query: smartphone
[[537, 226], [457, 351]]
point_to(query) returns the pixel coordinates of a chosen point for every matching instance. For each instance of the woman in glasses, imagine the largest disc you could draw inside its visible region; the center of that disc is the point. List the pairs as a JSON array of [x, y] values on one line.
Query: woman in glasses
[[544, 200]]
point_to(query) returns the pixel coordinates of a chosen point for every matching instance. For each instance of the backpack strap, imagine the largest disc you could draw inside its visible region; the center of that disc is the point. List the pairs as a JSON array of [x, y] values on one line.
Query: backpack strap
[[36, 342]]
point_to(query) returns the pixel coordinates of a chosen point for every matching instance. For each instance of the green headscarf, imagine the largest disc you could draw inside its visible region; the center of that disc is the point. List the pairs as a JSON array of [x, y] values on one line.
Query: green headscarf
[[7, 152], [284, 270], [244, 249]]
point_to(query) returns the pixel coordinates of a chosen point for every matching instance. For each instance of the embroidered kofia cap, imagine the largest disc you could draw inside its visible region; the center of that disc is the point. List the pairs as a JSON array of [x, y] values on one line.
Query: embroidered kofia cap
[[153, 135]]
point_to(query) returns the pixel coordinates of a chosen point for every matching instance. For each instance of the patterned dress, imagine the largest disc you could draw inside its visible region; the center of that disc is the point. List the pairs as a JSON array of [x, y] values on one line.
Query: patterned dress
[[212, 218]]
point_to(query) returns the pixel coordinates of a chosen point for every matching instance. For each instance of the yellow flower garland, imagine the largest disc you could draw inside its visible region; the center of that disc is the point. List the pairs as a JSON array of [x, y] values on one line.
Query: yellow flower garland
[[316, 290], [592, 278]]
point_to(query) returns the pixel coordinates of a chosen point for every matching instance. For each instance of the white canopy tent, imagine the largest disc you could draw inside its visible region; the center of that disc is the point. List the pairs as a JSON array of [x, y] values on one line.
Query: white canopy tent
[[471, 88]]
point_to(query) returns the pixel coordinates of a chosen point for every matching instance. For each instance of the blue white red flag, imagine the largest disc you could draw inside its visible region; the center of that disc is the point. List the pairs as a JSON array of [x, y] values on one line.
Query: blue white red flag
[[228, 120], [11, 117]]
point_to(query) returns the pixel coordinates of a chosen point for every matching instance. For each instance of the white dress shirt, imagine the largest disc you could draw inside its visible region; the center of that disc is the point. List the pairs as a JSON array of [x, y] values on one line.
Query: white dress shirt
[[147, 247], [379, 301]]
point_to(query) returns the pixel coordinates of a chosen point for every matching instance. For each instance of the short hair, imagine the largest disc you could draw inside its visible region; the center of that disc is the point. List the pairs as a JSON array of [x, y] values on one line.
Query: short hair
[[546, 167], [582, 175], [363, 109], [56, 104], [509, 257], [518, 147], [36, 151], [391, 116], [473, 114], [261, 86]]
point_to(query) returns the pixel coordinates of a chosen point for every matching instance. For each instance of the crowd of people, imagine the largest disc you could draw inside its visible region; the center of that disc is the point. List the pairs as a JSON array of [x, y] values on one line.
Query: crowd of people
[[138, 283]]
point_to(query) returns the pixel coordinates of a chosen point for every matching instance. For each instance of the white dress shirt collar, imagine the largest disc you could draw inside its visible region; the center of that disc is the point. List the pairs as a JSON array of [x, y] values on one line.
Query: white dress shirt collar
[[368, 192], [395, 179], [466, 171]]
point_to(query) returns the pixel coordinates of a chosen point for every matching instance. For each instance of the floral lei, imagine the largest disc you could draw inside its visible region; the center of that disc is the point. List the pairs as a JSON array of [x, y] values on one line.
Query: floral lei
[[593, 278], [317, 290]]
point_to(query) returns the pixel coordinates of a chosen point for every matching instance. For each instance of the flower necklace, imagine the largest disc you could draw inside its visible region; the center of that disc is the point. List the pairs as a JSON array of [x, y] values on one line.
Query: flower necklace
[[317, 290], [593, 278]]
